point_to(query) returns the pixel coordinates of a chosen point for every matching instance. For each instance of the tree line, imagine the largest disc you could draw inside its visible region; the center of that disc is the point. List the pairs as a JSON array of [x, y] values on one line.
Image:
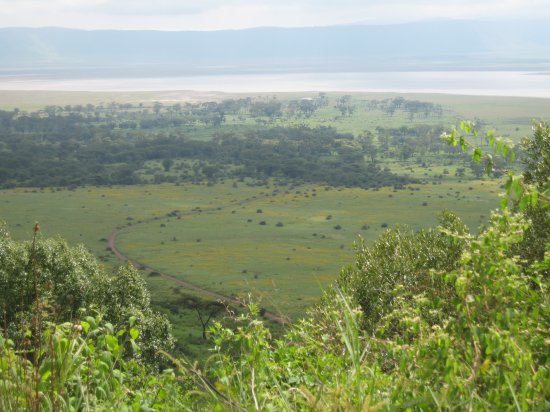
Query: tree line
[[71, 149]]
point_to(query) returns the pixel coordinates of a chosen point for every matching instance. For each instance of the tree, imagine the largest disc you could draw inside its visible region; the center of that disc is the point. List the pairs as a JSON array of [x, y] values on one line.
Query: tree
[[536, 160], [157, 107], [399, 257], [344, 105], [48, 277], [167, 164], [529, 192], [367, 143], [212, 309]]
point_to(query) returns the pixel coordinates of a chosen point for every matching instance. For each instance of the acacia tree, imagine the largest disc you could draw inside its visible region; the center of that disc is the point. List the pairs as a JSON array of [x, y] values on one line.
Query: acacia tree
[[367, 143]]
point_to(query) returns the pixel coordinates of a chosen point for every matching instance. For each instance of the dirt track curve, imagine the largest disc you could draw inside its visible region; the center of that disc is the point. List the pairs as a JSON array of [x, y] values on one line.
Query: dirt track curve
[[111, 242]]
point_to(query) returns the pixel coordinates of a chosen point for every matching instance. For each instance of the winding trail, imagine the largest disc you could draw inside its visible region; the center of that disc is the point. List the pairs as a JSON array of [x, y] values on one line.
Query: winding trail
[[111, 242]]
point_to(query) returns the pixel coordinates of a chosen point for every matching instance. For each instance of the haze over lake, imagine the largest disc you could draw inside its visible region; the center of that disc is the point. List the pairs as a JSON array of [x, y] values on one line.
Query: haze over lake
[[488, 83], [489, 58]]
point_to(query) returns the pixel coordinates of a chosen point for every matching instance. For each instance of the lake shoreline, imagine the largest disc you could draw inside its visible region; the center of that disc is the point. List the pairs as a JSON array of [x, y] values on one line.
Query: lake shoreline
[[467, 83]]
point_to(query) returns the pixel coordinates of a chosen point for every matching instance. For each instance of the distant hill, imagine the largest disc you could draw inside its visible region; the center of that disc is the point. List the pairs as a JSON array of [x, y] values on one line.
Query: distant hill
[[434, 45]]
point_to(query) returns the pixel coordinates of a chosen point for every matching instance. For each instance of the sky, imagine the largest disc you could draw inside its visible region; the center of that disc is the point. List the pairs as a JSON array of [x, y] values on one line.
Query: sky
[[237, 14]]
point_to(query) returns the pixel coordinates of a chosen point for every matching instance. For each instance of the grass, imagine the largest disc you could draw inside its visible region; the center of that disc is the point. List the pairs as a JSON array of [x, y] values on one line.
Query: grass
[[510, 116], [286, 267], [230, 251], [88, 215]]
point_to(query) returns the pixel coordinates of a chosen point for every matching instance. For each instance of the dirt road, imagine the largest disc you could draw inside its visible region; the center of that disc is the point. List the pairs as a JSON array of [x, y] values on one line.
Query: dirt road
[[111, 242]]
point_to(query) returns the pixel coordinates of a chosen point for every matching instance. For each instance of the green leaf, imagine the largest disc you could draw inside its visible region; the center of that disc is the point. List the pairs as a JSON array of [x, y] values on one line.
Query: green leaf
[[504, 203], [477, 155], [518, 189], [524, 201], [534, 199], [112, 342], [46, 375], [85, 326], [134, 333], [509, 182], [489, 165], [463, 143], [505, 151]]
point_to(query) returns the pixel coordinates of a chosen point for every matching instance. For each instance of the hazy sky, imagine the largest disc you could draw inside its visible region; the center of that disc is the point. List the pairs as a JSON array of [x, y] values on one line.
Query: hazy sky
[[232, 14]]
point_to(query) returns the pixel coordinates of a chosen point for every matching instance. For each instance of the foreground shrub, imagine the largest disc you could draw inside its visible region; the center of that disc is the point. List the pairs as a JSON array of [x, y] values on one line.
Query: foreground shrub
[[399, 262], [477, 344], [80, 367], [47, 281]]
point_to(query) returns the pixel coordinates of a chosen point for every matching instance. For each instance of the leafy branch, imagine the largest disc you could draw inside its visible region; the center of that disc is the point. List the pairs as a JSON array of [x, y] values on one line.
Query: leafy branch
[[522, 193]]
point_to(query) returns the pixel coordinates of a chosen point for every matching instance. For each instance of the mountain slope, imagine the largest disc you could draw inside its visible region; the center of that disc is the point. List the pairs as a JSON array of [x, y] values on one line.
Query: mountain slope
[[416, 46]]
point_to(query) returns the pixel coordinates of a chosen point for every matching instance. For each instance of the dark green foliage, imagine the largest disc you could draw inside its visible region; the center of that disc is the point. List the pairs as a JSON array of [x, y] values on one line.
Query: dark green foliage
[[68, 279], [102, 150], [536, 158], [400, 257]]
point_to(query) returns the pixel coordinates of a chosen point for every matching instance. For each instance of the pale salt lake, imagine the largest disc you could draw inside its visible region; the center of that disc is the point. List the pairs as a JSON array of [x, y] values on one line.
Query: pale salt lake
[[484, 83]]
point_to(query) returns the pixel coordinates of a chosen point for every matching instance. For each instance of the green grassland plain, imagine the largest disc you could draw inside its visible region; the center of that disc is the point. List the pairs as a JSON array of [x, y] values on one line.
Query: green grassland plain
[[225, 248], [309, 230], [285, 247], [509, 116]]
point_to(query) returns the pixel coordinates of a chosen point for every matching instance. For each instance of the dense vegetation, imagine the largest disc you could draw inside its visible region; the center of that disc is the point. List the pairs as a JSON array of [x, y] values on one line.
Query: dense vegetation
[[97, 145], [46, 281], [430, 320]]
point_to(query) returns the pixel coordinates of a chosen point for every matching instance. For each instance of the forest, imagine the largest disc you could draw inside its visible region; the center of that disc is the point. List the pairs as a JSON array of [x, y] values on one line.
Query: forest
[[87, 145]]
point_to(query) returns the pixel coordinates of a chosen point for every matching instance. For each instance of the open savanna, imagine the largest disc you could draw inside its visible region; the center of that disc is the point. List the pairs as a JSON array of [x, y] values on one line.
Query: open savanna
[[88, 214], [509, 116], [219, 243], [288, 243], [211, 234]]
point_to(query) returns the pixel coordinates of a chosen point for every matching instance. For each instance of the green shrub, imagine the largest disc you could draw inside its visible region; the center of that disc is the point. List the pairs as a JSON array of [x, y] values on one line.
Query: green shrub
[[79, 366], [66, 279], [400, 257], [469, 335]]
